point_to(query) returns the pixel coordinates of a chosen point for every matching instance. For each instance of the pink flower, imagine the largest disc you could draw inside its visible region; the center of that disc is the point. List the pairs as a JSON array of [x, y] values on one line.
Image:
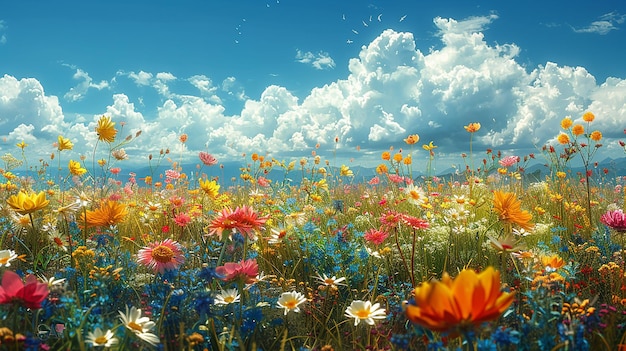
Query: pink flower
[[115, 170], [394, 178], [207, 158], [509, 161], [262, 181], [162, 256], [242, 219], [182, 219], [30, 294], [374, 181], [615, 220], [171, 174], [376, 236], [414, 222], [246, 270]]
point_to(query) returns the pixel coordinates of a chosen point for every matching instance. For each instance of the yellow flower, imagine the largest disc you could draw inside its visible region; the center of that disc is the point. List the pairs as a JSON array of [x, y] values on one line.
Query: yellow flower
[[64, 143], [412, 139], [458, 304], [106, 129], [345, 171], [110, 213], [566, 123], [596, 135], [578, 129], [24, 203], [588, 117], [563, 139], [386, 156], [397, 157], [407, 160], [508, 208], [382, 169], [21, 145], [472, 127], [429, 146], [75, 168], [553, 262], [210, 187], [561, 175]]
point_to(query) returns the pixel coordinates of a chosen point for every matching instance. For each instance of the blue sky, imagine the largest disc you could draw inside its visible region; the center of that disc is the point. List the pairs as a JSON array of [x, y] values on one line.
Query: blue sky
[[280, 76]]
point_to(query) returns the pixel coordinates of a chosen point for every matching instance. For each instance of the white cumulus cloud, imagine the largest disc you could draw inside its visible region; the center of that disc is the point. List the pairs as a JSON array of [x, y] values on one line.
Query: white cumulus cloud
[[321, 60]]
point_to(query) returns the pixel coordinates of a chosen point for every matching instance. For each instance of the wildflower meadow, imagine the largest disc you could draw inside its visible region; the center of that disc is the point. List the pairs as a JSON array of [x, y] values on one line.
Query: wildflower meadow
[[94, 256]]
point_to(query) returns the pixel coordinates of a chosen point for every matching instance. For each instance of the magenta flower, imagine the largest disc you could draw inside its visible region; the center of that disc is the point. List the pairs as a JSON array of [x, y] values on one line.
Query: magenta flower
[[30, 294], [509, 161], [615, 220]]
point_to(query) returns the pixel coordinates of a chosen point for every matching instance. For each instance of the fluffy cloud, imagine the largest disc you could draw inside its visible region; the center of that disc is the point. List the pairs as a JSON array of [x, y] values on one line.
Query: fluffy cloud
[[319, 61], [78, 92]]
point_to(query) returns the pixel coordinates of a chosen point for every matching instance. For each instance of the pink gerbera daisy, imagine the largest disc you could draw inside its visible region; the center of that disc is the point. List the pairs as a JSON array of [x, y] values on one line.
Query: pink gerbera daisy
[[246, 270], [162, 256], [242, 219]]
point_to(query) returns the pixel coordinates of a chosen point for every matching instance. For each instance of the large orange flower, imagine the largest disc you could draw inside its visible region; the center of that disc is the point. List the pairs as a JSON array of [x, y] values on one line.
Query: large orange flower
[[458, 304], [110, 213], [508, 208], [106, 129], [24, 203]]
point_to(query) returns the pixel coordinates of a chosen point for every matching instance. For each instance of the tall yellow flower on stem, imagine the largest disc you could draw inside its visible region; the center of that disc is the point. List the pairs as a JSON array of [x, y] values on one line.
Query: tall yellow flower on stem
[[106, 129], [461, 304], [24, 203], [64, 143], [75, 168], [472, 127]]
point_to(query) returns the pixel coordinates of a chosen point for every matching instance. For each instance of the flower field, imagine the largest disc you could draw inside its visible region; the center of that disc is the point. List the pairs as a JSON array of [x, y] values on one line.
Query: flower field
[[96, 257]]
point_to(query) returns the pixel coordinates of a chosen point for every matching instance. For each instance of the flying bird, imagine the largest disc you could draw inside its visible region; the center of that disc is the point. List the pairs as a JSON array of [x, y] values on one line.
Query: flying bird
[[402, 18], [349, 41], [343, 17], [379, 16], [364, 24], [355, 32]]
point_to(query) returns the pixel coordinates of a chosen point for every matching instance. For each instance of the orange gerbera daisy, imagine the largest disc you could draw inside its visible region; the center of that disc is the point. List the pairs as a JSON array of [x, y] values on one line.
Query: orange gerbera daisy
[[508, 208], [110, 213], [106, 129], [578, 129], [459, 304]]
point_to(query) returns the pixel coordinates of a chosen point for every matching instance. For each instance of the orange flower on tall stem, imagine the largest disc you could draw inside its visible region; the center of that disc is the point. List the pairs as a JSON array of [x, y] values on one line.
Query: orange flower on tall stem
[[460, 304], [472, 127], [508, 208], [109, 213]]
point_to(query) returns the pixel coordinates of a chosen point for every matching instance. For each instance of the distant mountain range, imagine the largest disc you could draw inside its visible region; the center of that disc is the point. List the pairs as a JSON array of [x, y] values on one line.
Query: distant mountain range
[[230, 171]]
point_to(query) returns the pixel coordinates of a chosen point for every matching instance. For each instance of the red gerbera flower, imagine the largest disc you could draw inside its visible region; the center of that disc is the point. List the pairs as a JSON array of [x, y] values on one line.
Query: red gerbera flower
[[414, 222], [243, 219], [30, 294], [376, 236], [614, 219]]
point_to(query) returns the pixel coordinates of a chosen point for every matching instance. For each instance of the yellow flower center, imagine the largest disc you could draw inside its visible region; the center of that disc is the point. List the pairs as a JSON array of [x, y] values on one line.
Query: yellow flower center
[[135, 326], [4, 260], [329, 281], [229, 299], [291, 304], [101, 340], [162, 254], [362, 314], [414, 195]]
